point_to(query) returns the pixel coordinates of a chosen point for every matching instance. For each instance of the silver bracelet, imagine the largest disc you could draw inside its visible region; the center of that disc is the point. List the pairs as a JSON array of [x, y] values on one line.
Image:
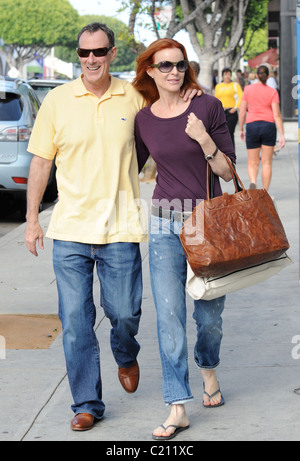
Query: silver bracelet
[[211, 156]]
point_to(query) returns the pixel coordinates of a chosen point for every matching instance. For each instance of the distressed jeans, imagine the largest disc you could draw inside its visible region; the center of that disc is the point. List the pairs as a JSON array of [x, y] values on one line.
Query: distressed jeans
[[119, 271], [168, 269]]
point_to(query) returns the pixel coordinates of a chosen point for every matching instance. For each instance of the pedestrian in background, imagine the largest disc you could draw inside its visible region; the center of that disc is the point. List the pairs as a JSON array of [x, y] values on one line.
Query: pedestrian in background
[[215, 78], [196, 68], [230, 94], [240, 79], [261, 112], [272, 82]]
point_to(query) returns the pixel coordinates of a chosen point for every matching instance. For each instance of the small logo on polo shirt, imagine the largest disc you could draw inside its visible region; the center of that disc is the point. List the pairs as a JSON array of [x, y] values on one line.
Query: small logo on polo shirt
[[124, 119]]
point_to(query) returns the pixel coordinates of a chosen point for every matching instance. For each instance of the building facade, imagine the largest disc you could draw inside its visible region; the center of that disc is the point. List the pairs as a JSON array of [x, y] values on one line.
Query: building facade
[[283, 35]]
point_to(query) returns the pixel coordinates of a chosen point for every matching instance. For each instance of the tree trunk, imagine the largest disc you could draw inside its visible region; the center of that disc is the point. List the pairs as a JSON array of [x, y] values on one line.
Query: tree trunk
[[206, 62]]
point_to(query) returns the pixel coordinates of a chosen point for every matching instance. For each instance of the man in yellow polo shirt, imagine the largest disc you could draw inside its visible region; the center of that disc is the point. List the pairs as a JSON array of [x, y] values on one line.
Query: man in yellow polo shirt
[[89, 124]]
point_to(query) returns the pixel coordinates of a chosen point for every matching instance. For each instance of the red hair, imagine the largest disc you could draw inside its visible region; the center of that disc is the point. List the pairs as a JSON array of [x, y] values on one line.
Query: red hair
[[145, 84]]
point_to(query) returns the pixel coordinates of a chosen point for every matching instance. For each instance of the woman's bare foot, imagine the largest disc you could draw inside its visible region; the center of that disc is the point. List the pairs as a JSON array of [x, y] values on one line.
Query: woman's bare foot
[[211, 386], [177, 417]]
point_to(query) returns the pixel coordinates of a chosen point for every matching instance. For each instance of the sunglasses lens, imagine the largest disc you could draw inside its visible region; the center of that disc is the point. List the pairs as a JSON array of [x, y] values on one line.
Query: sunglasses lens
[[83, 53], [182, 66], [98, 52], [165, 66]]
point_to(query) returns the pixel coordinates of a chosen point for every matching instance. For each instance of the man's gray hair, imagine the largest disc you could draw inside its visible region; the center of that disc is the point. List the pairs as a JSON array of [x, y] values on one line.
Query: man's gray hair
[[94, 27]]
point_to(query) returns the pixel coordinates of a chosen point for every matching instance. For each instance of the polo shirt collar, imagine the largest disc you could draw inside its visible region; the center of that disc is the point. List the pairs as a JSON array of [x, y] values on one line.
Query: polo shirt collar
[[116, 87]]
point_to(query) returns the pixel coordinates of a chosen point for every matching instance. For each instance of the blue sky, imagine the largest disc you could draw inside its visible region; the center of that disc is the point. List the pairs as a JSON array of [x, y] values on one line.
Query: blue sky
[[103, 7]]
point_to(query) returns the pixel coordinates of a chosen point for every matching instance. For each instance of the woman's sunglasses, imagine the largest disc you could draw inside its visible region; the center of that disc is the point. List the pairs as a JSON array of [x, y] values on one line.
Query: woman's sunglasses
[[98, 52], [167, 66]]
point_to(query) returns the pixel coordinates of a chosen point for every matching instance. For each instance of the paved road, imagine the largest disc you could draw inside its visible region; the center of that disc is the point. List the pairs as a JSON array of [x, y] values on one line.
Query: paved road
[[9, 216]]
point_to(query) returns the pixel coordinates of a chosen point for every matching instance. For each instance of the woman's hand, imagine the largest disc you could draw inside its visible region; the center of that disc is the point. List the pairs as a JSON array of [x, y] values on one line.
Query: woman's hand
[[195, 128], [281, 141], [243, 135]]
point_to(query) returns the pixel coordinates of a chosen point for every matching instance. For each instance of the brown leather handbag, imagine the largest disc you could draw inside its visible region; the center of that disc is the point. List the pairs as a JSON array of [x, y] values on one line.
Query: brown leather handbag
[[233, 231]]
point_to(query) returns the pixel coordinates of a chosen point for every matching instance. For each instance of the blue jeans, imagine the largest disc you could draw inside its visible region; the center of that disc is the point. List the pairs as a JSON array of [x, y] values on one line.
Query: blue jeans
[[119, 271], [168, 270]]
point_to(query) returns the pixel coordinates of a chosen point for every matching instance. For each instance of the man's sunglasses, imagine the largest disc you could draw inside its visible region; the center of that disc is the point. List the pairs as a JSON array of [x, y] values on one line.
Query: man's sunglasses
[[167, 66], [98, 52]]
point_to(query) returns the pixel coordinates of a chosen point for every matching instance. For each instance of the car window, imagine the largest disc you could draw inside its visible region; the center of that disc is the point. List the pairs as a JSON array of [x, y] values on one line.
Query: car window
[[34, 105], [11, 107], [41, 90]]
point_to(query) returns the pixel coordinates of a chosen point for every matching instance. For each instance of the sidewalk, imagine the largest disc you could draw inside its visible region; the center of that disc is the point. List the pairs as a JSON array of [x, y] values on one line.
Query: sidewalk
[[257, 373]]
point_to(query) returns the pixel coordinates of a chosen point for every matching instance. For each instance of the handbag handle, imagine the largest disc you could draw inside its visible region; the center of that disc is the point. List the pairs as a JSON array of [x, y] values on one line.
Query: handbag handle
[[239, 187]]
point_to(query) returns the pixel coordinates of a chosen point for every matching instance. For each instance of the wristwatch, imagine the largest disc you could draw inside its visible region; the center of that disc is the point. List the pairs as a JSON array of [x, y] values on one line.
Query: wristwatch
[[211, 156]]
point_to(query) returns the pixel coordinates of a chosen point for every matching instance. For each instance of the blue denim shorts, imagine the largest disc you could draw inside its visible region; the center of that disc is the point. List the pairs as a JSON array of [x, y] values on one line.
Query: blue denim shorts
[[260, 133]]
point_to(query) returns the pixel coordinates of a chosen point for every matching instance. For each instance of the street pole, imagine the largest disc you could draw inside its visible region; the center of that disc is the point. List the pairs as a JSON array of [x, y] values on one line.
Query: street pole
[[298, 82], [297, 391]]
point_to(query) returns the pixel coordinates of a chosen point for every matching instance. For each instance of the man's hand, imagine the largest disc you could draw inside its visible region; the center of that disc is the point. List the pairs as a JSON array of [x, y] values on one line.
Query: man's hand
[[190, 94], [34, 234], [37, 182]]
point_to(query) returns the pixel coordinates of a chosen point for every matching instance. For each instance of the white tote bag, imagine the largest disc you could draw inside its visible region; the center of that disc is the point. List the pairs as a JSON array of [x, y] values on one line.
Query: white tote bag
[[211, 288]]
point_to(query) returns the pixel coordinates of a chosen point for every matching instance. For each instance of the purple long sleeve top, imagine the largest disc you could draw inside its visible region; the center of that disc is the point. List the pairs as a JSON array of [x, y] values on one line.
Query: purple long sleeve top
[[181, 166]]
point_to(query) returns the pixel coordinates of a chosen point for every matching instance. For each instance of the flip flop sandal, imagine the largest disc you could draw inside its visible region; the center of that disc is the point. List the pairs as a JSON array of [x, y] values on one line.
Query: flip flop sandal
[[211, 396], [171, 436]]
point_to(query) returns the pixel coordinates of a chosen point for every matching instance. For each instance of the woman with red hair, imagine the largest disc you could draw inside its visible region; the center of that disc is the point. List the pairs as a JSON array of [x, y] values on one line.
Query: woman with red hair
[[181, 136]]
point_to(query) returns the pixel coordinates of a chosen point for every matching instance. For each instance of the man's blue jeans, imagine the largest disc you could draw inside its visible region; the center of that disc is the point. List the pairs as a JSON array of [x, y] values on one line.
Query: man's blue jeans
[[119, 270], [168, 269]]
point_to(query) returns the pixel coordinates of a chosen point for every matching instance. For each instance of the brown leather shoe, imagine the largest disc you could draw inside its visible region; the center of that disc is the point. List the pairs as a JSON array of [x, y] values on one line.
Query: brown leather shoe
[[82, 422], [129, 377]]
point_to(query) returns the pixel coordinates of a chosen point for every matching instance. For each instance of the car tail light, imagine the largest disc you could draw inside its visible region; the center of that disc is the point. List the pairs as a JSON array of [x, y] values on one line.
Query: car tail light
[[24, 133], [20, 180], [15, 133], [10, 134]]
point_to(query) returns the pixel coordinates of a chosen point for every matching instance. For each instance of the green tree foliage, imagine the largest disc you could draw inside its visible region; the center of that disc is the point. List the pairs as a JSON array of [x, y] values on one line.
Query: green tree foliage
[[255, 32], [30, 27], [43, 23], [256, 42], [217, 28]]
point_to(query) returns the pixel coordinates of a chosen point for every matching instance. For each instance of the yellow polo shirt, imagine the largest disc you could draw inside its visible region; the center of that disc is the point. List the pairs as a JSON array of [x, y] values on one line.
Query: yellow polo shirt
[[97, 171]]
